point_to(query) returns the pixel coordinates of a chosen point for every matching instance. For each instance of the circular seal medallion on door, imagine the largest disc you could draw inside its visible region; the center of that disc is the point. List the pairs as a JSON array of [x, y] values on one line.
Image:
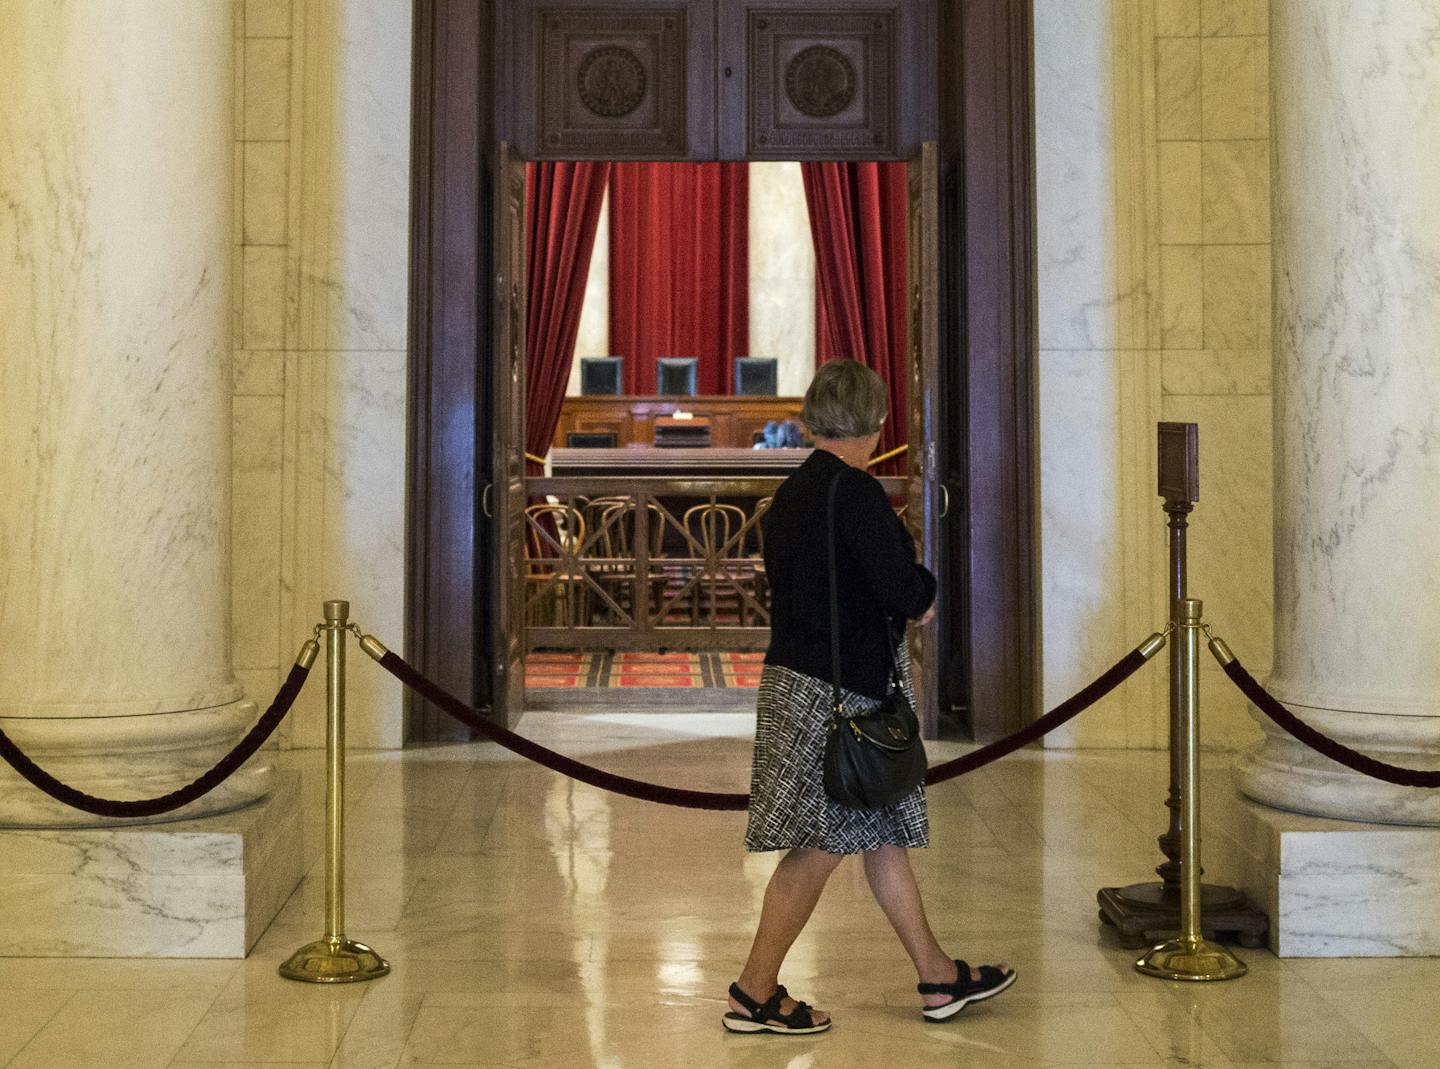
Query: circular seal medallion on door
[[611, 81], [820, 81]]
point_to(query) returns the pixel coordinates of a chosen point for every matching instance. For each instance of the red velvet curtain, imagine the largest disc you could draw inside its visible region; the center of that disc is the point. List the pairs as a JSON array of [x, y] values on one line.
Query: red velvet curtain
[[858, 220], [562, 213], [679, 269]]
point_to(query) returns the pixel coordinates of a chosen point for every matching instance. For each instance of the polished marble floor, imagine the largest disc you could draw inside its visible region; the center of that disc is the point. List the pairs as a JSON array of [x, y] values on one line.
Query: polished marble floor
[[533, 922]]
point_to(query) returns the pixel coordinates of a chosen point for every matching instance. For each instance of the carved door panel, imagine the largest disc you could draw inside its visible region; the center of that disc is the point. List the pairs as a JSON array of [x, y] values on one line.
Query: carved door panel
[[847, 79], [505, 496], [927, 499], [634, 80]]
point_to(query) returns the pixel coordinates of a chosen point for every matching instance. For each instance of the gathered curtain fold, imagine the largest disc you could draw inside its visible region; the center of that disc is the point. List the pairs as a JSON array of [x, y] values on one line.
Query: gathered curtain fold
[[858, 219], [562, 215], [679, 269]]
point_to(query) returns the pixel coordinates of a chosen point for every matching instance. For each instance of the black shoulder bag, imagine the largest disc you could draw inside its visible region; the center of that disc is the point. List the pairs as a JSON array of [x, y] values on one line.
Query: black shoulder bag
[[874, 758]]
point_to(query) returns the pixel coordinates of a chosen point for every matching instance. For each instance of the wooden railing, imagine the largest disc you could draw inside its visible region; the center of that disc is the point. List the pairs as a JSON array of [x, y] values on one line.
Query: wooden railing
[[648, 563]]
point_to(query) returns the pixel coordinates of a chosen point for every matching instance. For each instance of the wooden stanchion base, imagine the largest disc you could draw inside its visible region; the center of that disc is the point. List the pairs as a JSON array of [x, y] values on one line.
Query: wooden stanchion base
[[1146, 913]]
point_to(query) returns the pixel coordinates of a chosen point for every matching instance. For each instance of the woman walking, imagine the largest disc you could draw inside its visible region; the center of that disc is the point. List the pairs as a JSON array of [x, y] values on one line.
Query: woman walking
[[880, 587]]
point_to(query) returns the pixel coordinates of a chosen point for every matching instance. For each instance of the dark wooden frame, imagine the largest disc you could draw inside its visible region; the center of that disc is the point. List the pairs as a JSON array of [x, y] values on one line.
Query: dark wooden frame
[[987, 458]]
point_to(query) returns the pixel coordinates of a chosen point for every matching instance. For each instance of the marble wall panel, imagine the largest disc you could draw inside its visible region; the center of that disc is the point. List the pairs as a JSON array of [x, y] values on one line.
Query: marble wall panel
[[1081, 537], [1104, 154], [364, 536], [1236, 192], [1076, 250], [366, 269]]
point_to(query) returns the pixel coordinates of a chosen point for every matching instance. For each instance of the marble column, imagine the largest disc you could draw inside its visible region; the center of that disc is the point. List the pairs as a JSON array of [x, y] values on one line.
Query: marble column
[[115, 246], [1356, 91]]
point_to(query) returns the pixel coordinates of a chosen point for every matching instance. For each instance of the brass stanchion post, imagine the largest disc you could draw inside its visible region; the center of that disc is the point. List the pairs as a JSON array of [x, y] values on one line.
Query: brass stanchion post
[[333, 959], [1191, 956]]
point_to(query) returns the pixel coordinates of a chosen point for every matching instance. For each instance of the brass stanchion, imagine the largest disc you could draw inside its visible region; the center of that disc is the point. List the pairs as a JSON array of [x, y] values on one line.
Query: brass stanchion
[[333, 959], [1146, 912], [1191, 956]]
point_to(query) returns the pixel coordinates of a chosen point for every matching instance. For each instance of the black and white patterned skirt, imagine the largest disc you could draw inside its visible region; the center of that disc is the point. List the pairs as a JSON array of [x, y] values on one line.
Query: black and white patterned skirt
[[788, 804]]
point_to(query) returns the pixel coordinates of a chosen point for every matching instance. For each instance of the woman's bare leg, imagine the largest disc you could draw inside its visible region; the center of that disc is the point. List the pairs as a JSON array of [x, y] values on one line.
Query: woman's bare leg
[[892, 882], [790, 898]]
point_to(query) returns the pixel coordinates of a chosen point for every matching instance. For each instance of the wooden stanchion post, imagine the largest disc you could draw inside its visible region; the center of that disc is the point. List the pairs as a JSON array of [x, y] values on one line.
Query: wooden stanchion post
[[1146, 912]]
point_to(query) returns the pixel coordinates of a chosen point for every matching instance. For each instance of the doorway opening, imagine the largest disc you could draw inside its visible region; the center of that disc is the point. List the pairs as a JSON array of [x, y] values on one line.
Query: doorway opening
[[711, 80], [674, 314]]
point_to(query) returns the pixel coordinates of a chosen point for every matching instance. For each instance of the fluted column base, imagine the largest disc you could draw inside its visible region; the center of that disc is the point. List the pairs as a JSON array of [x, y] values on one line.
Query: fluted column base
[[130, 757], [1287, 774]]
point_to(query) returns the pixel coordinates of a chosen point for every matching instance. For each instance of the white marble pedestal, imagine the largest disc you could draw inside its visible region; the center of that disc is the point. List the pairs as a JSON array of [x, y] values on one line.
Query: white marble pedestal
[[1332, 888], [203, 888]]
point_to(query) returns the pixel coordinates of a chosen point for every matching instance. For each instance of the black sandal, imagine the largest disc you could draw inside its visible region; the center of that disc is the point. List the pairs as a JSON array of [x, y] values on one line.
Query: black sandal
[[766, 1016], [965, 990]]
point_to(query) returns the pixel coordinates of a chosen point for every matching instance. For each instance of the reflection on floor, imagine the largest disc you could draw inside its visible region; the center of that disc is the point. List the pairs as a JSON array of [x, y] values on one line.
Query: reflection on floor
[[553, 669], [533, 922]]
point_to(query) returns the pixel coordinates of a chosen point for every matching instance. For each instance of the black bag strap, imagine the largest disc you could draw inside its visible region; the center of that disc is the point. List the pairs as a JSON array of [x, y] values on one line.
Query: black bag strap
[[835, 705]]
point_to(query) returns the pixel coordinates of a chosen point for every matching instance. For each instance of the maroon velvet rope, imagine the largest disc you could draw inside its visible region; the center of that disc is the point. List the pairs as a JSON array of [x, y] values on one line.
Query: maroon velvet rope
[[714, 800], [1322, 743], [165, 803]]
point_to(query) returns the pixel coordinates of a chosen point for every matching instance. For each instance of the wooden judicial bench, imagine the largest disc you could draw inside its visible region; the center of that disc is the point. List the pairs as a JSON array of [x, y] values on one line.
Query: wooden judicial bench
[[734, 421]]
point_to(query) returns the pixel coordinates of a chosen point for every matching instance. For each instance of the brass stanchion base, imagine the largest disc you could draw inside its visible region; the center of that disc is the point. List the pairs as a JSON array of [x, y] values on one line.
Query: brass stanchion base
[[1191, 959], [1145, 913], [334, 961]]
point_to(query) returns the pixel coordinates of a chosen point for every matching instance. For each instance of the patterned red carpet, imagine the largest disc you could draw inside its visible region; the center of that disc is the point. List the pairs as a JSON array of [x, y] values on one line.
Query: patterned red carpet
[[556, 668]]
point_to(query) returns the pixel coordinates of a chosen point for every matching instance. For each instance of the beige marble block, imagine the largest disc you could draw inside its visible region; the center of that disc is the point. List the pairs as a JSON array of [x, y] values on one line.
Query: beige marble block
[[1236, 192], [267, 90], [1181, 219], [1235, 77], [1233, 18], [255, 531], [258, 374], [264, 193], [1217, 371], [263, 275], [1177, 18], [1177, 87], [1182, 294], [1332, 888], [1237, 296], [267, 18]]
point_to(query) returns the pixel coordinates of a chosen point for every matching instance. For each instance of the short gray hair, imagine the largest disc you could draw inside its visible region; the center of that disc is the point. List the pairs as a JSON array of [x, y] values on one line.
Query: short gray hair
[[845, 400]]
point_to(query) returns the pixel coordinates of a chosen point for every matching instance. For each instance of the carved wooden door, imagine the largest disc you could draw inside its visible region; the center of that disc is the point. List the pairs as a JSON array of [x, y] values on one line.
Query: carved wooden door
[[927, 501], [505, 497]]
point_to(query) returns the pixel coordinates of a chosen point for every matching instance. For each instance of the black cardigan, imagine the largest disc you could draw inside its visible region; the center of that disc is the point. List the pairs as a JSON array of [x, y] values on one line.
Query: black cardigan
[[875, 565]]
